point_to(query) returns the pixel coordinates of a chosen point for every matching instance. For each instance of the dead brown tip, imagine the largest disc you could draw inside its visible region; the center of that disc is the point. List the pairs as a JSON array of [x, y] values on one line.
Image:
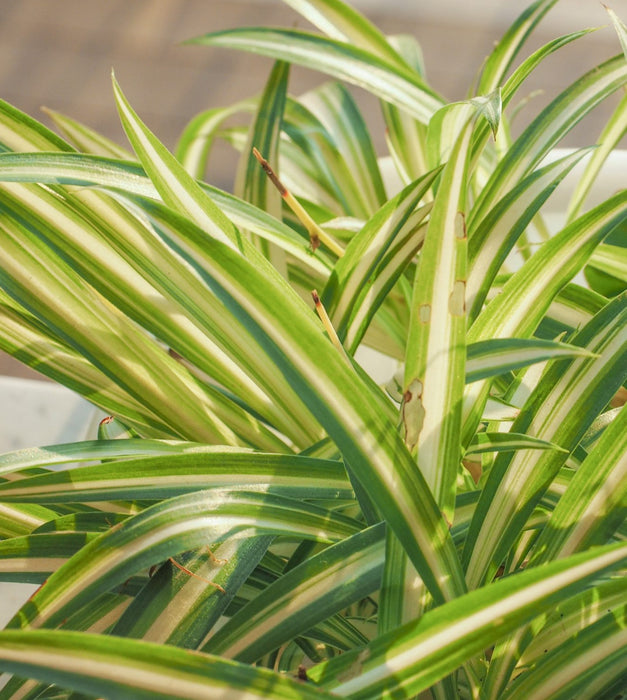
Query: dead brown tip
[[315, 297], [270, 173]]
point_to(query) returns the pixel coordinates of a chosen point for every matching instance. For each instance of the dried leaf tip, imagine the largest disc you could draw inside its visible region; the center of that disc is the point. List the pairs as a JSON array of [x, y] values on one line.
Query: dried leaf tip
[[328, 326], [316, 234], [270, 173]]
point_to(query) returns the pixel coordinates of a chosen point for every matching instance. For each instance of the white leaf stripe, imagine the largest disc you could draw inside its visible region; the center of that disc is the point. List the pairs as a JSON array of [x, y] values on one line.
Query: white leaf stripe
[[505, 51], [177, 608], [595, 496], [334, 106], [86, 139], [59, 290], [599, 647], [498, 355], [586, 514], [105, 241], [371, 298], [127, 178]]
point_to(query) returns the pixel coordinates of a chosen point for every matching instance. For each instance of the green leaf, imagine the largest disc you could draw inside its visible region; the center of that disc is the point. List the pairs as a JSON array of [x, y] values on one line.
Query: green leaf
[[566, 620], [620, 27], [342, 22], [126, 179], [33, 558], [572, 394], [173, 474], [343, 61], [23, 133], [360, 420], [582, 667], [545, 131], [312, 165], [592, 507], [595, 502], [26, 339], [130, 669], [252, 184], [195, 142], [178, 189], [89, 521], [59, 289], [195, 595], [610, 262], [504, 442], [606, 143], [114, 270], [492, 239], [169, 528], [571, 309], [404, 135], [411, 658], [488, 358], [308, 594], [435, 354], [505, 51], [86, 139], [361, 182], [92, 450], [373, 261], [520, 74], [528, 293]]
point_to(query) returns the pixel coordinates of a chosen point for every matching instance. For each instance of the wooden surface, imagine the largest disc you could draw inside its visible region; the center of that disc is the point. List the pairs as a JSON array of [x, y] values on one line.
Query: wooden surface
[[59, 53]]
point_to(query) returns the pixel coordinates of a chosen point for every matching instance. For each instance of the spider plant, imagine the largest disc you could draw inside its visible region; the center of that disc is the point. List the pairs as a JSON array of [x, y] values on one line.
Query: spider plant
[[259, 518]]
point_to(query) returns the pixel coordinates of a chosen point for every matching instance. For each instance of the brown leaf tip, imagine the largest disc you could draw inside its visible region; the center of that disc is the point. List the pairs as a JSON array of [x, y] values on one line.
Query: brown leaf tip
[[270, 172]]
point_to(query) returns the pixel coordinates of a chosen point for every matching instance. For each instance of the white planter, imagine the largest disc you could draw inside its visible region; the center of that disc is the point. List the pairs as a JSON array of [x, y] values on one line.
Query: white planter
[[36, 413]]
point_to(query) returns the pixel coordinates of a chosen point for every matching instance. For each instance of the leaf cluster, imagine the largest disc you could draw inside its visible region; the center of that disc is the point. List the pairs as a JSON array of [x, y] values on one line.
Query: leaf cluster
[[259, 517]]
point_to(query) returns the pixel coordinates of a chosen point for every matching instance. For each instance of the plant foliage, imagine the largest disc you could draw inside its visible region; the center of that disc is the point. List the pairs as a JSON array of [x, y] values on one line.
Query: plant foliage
[[259, 517]]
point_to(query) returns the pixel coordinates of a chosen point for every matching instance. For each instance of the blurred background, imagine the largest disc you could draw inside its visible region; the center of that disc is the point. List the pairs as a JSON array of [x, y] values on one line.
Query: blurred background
[[60, 53]]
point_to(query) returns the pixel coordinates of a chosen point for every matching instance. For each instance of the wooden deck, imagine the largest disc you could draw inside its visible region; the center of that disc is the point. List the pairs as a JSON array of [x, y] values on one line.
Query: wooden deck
[[59, 53]]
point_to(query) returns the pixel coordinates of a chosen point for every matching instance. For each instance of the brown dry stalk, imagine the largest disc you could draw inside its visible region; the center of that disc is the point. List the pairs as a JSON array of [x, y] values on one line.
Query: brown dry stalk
[[316, 234]]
